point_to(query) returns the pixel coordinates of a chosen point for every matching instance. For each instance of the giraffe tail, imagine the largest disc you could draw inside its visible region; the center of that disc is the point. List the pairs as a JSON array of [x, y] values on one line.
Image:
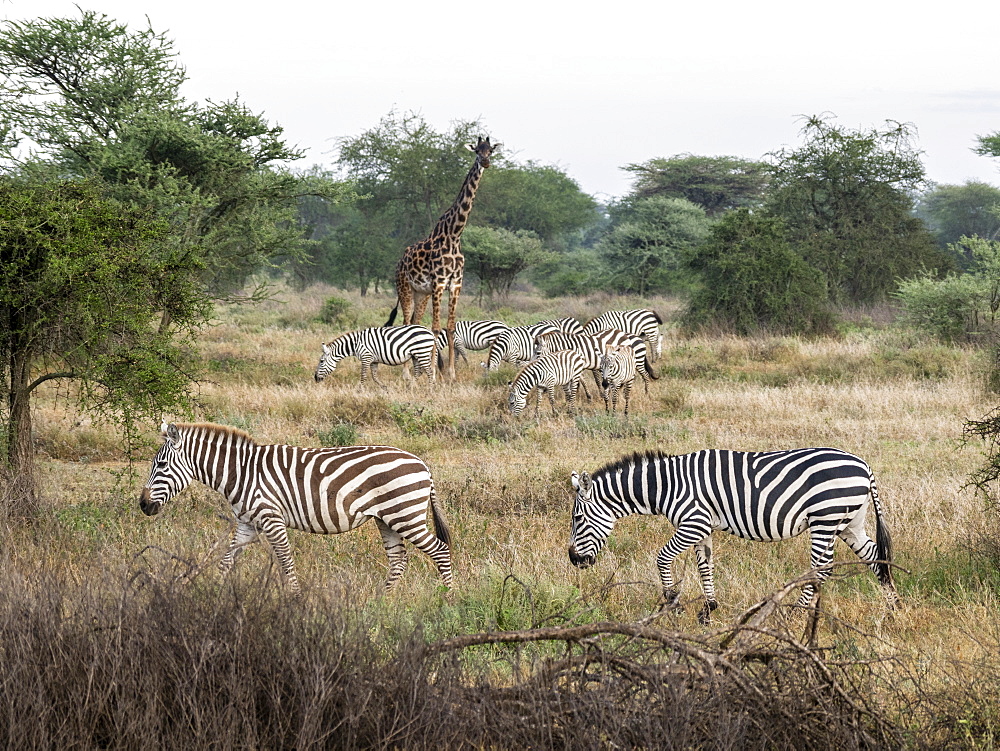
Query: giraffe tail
[[392, 315]]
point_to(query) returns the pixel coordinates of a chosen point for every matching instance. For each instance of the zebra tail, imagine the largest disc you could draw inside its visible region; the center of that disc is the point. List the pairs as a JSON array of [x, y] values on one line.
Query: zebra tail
[[883, 546], [656, 316], [650, 369], [392, 315], [440, 525]]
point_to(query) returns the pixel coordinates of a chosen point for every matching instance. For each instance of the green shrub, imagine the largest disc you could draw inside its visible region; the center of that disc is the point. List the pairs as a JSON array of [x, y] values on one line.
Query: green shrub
[[952, 309], [337, 310], [341, 434]]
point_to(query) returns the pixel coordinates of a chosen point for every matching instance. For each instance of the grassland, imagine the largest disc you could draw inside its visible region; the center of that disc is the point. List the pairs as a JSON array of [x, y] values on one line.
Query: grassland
[[892, 397]]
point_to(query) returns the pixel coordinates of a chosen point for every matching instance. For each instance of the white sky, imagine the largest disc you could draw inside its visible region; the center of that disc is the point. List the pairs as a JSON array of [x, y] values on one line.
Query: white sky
[[593, 88]]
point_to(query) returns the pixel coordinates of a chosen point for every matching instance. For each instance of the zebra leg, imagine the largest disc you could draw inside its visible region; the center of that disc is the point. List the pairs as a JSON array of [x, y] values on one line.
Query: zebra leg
[[865, 548], [627, 393], [820, 558], [703, 553], [689, 532], [276, 534], [373, 368], [395, 550], [436, 549], [243, 535], [551, 393]]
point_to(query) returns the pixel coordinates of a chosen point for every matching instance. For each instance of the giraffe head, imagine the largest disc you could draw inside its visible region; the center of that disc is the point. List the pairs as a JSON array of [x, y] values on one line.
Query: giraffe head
[[483, 150]]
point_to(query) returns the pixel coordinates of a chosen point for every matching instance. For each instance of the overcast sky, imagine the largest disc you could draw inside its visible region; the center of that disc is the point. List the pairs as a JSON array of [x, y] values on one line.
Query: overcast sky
[[594, 87]]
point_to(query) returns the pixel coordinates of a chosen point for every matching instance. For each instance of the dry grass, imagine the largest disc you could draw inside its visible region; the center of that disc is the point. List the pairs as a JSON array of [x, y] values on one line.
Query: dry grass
[[896, 401]]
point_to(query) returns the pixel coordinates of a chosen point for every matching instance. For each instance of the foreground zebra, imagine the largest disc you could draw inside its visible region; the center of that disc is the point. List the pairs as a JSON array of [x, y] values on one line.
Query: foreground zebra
[[562, 368], [644, 323], [618, 374], [327, 491], [474, 335], [380, 346], [770, 495]]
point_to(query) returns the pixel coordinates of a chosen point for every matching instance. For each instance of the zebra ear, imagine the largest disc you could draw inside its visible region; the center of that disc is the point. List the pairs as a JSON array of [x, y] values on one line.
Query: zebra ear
[[173, 435], [575, 479], [163, 429], [326, 348]]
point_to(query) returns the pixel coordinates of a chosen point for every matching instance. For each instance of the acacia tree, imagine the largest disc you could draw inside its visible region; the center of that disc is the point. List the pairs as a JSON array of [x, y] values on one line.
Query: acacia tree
[[82, 281], [90, 97], [846, 198], [717, 184], [497, 256], [955, 211]]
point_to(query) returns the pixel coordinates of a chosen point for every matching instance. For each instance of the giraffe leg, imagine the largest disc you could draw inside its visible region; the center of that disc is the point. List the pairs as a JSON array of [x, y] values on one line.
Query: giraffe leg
[[419, 307], [243, 535], [404, 295], [395, 550]]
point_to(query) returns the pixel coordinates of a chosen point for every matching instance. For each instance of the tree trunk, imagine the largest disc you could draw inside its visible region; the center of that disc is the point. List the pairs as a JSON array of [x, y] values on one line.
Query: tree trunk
[[21, 498]]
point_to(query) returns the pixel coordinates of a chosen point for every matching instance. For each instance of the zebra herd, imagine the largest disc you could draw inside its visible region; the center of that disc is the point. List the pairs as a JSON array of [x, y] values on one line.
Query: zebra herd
[[761, 496], [537, 349]]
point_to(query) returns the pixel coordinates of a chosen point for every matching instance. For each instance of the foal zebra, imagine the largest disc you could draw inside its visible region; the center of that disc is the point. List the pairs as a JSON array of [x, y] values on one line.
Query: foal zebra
[[618, 374], [387, 346], [474, 335], [326, 491], [767, 496], [644, 323], [562, 368]]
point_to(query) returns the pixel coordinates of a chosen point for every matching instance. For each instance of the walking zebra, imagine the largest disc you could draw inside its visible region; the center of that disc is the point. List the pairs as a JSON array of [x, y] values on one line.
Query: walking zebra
[[562, 368], [386, 346], [326, 491], [643, 322], [474, 335], [515, 346], [618, 373], [767, 496]]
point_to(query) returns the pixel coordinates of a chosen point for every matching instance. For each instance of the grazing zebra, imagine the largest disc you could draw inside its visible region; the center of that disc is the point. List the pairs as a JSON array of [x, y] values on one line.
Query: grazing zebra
[[474, 335], [768, 496], [515, 346], [643, 322], [326, 491], [562, 368], [618, 373], [593, 346], [387, 346]]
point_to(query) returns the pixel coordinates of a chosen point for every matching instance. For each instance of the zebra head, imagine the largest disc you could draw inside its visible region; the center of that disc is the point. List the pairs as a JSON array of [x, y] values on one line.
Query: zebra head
[[327, 363], [592, 523], [516, 399], [170, 474]]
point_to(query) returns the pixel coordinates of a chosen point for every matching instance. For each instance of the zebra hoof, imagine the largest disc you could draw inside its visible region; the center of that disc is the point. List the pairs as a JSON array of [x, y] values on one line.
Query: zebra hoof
[[705, 615], [671, 600]]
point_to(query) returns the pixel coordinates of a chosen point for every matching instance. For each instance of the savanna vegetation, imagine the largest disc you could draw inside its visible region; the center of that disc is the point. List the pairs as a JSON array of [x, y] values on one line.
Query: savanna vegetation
[[161, 259]]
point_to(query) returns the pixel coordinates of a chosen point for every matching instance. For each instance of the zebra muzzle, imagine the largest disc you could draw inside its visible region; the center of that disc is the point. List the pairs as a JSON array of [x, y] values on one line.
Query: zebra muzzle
[[148, 506], [580, 561]]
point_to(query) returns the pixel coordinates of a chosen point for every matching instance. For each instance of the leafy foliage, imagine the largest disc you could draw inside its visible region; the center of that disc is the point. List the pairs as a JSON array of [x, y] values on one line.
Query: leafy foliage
[[954, 211], [717, 184], [497, 256], [846, 200], [752, 280]]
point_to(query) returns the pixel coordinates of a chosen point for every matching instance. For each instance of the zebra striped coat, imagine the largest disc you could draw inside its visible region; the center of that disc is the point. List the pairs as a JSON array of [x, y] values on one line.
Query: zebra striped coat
[[515, 346], [562, 368], [644, 323], [474, 335], [387, 346], [593, 346], [326, 491], [770, 495], [618, 374], [566, 325]]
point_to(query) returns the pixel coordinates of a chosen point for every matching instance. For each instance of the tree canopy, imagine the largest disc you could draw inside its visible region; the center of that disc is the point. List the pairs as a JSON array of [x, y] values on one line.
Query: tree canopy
[[716, 183]]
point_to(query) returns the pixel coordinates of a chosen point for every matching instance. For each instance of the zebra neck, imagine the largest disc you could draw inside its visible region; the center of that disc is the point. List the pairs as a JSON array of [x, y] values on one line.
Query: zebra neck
[[221, 462]]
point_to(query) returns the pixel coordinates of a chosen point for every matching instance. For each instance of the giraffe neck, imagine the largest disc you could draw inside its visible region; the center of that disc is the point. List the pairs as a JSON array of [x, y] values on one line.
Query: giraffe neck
[[452, 222]]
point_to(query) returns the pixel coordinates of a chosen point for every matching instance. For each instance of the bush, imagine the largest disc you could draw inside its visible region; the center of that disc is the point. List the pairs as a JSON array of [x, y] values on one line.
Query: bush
[[752, 281], [951, 309], [341, 434], [337, 310]]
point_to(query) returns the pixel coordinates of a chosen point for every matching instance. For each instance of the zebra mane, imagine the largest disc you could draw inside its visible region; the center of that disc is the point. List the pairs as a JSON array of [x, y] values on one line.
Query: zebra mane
[[211, 427], [628, 461]]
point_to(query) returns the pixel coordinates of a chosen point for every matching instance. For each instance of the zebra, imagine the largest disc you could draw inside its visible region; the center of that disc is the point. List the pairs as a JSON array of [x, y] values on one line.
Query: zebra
[[566, 325], [562, 368], [321, 490], [618, 373], [643, 322], [474, 335], [772, 495], [593, 346], [515, 346], [374, 346]]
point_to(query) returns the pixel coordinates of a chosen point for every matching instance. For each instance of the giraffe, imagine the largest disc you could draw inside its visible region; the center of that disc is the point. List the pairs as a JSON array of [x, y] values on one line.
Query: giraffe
[[433, 265]]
